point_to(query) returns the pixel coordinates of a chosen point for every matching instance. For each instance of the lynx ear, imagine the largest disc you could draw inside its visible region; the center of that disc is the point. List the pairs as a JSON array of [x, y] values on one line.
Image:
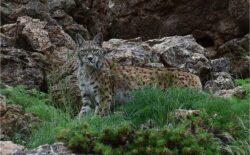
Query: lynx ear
[[79, 40], [98, 39]]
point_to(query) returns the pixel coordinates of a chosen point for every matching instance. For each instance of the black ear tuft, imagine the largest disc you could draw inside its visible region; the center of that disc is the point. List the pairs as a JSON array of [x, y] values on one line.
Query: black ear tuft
[[79, 40], [98, 39]]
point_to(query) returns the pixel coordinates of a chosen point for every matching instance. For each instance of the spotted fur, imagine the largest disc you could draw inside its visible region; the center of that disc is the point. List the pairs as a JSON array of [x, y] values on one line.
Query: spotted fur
[[101, 82]]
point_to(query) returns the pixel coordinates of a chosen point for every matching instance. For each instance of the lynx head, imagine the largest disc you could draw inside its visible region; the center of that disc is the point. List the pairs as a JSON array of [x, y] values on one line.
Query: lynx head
[[90, 53]]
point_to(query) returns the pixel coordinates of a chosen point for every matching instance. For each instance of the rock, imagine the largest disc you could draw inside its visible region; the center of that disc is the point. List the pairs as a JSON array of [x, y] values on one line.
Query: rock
[[66, 5], [13, 9], [34, 9], [220, 65], [58, 37], [222, 80], [18, 67], [45, 11], [130, 52], [14, 120], [183, 113], [237, 52], [7, 7], [32, 49], [149, 124], [63, 44], [6, 41], [154, 65], [69, 25], [9, 30], [240, 15], [225, 137], [53, 149], [182, 52], [34, 31], [237, 92], [9, 148]]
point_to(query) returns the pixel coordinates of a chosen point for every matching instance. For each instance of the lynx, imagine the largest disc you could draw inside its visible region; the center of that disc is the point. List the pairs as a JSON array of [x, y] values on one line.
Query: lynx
[[103, 82]]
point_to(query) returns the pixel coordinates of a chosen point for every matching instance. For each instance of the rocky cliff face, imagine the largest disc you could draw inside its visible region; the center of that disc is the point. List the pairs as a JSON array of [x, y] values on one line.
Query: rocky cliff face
[[212, 22]]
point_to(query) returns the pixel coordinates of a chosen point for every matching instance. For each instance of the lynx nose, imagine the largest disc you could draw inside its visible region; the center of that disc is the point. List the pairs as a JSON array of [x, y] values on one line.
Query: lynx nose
[[90, 58]]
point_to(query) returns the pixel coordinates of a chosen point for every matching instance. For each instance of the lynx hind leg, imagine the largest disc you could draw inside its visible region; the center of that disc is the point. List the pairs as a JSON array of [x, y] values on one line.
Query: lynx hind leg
[[122, 97], [104, 107]]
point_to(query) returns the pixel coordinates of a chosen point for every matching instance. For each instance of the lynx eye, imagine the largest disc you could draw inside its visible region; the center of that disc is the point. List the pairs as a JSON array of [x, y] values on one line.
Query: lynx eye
[[96, 52], [83, 53]]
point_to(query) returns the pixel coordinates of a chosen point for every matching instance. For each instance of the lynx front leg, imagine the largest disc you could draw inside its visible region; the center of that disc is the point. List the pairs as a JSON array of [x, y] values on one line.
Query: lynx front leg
[[86, 105], [97, 103]]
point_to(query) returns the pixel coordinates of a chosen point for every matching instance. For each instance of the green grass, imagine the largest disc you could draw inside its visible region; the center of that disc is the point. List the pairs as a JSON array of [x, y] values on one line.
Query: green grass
[[218, 116], [39, 104]]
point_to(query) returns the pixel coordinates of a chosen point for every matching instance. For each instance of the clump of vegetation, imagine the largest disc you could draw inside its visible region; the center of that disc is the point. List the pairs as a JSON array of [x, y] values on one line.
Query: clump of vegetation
[[126, 139], [222, 125], [216, 129], [39, 104]]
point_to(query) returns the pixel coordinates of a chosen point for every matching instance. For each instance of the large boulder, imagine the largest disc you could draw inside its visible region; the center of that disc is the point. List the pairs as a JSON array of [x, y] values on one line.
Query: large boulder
[[182, 52], [237, 52], [33, 30], [130, 52]]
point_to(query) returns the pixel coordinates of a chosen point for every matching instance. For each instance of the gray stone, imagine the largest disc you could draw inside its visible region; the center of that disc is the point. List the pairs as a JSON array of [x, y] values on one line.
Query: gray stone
[[221, 81], [6, 41], [181, 52], [237, 52], [18, 67], [34, 31], [130, 52], [220, 65], [33, 8], [61, 4], [237, 92], [53, 149], [9, 148]]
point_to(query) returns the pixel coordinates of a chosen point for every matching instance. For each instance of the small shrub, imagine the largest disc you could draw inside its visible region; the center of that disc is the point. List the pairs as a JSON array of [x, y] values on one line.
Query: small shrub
[[128, 140]]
